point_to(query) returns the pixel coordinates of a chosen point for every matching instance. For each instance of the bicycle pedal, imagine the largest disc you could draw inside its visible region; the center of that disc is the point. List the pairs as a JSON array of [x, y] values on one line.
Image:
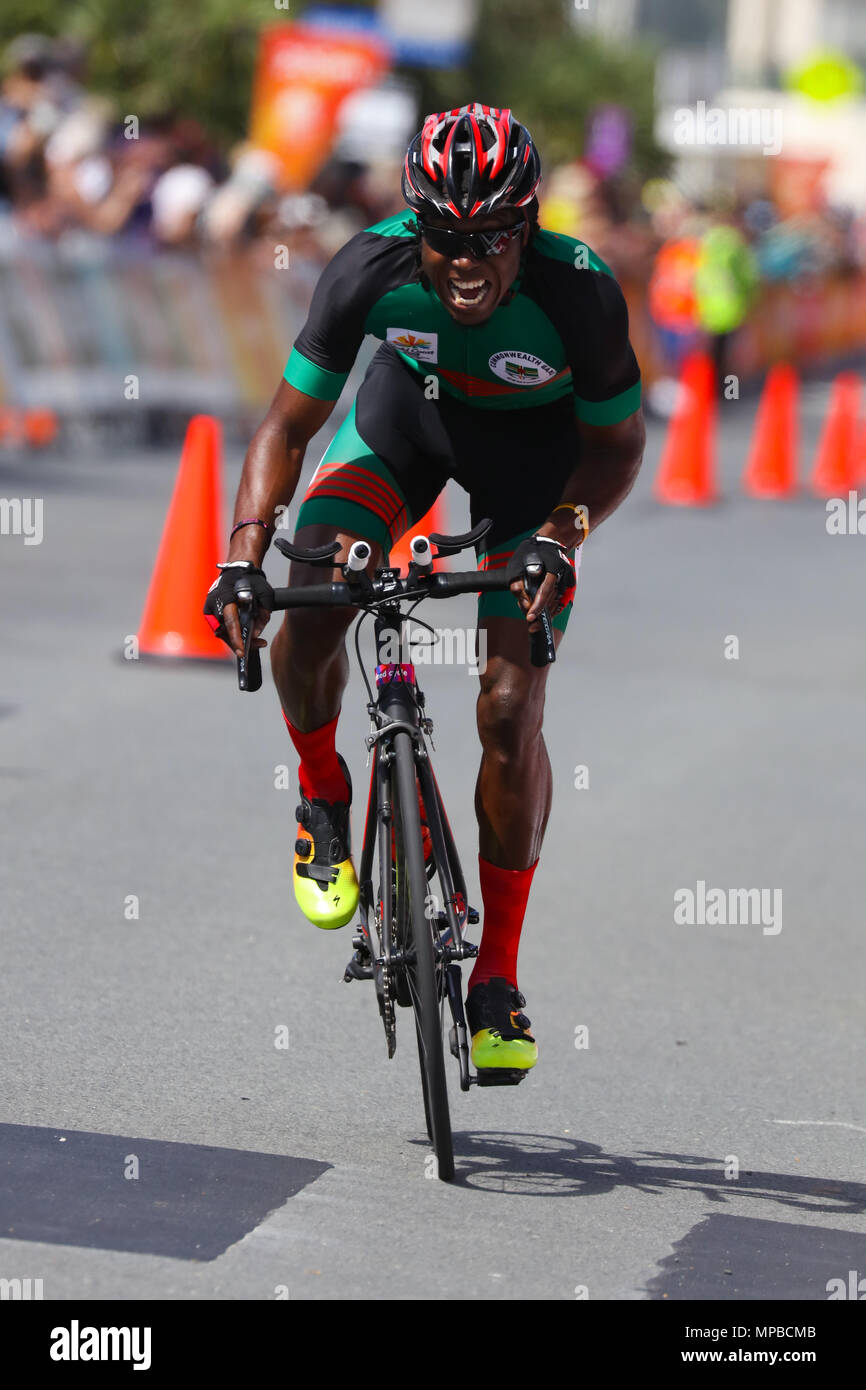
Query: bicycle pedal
[[500, 1076], [356, 970], [472, 916]]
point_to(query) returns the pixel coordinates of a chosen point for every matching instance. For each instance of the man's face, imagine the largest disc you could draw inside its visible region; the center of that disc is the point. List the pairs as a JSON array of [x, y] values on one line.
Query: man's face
[[469, 286]]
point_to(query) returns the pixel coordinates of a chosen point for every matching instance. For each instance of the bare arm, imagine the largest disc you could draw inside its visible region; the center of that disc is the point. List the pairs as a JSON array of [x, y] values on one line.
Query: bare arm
[[270, 476], [610, 461], [272, 466]]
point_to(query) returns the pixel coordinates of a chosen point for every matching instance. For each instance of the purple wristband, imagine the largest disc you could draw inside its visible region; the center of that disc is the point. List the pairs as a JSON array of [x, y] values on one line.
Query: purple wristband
[[250, 521]]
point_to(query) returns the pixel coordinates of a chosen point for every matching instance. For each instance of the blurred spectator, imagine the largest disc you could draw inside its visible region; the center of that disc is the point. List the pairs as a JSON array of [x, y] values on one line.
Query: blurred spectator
[[674, 312], [32, 106], [253, 183], [726, 286], [569, 203], [178, 198], [67, 166]]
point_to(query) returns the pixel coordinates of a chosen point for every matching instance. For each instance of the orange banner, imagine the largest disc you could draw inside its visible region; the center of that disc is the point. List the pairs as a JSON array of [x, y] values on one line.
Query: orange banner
[[302, 78]]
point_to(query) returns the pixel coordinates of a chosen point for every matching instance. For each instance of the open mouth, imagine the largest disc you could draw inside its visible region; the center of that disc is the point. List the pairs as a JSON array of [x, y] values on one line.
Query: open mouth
[[468, 294]]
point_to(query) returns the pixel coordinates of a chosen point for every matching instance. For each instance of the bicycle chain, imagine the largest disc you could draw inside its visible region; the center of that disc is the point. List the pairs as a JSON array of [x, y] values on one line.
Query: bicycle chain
[[390, 1017]]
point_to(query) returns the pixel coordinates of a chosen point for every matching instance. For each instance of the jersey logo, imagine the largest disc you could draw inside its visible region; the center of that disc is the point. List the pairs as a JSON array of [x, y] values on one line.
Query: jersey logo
[[521, 368], [423, 346]]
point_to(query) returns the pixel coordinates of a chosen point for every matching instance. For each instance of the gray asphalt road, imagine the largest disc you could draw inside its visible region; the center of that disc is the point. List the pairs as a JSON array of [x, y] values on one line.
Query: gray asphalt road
[[708, 1142]]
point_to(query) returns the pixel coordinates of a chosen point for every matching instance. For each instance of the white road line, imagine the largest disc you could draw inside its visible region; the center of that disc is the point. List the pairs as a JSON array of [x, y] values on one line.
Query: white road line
[[843, 1124]]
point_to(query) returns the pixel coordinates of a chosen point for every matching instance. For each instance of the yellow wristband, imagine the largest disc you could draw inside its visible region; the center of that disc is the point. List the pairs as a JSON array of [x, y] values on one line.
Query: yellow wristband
[[576, 507]]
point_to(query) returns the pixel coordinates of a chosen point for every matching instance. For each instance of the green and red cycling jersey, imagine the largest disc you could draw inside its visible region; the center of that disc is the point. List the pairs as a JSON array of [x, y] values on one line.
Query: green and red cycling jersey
[[561, 331]]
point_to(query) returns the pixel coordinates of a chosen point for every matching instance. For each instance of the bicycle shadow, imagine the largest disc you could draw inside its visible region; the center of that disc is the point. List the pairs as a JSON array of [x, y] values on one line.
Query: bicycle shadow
[[546, 1165]]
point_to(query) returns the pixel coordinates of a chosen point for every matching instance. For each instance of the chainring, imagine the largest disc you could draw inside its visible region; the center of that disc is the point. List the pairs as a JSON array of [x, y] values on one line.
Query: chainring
[[384, 992]]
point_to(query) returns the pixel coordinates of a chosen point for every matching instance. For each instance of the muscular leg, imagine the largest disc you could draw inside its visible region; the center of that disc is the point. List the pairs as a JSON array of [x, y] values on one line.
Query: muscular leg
[[310, 666], [514, 788], [308, 654], [512, 802]]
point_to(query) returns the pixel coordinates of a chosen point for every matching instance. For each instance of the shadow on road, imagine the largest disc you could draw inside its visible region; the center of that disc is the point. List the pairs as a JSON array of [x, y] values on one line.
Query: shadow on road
[[547, 1165], [725, 1256]]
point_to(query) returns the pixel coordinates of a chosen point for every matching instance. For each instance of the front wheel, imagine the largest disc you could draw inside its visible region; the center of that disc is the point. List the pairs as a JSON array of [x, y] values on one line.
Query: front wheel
[[418, 939]]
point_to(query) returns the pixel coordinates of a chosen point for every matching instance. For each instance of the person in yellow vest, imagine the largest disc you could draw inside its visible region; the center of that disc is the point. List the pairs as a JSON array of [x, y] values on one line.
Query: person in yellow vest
[[726, 288]]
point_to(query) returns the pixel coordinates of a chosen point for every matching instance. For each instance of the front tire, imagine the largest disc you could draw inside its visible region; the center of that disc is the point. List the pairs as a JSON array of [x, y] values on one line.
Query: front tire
[[412, 874]]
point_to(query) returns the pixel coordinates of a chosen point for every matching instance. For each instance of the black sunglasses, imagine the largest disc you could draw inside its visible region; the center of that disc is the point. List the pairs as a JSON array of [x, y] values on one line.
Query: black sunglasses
[[477, 244]]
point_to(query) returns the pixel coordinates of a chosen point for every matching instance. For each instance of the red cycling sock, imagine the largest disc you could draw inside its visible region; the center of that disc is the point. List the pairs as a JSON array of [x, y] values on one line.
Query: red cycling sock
[[505, 893], [320, 774]]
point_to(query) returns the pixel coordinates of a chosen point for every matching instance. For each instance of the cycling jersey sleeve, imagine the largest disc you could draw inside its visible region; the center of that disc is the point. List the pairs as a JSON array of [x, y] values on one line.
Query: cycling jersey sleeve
[[352, 282], [605, 373], [588, 310], [324, 351]]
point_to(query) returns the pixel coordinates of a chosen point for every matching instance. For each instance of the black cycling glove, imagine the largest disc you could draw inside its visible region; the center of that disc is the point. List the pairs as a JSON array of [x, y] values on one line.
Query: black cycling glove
[[555, 559], [222, 591]]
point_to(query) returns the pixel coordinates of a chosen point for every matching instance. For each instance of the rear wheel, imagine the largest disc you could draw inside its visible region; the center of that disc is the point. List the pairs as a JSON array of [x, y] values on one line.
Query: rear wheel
[[422, 976]]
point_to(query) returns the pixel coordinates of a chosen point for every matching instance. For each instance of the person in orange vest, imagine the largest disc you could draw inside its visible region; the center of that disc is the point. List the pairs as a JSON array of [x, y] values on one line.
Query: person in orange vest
[[673, 310]]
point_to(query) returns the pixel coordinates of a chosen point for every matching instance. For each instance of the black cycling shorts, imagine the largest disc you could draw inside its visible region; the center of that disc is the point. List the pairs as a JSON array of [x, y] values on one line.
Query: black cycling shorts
[[397, 448]]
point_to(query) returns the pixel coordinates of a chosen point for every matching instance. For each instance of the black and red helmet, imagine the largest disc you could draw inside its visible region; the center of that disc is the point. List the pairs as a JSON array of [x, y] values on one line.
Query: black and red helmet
[[470, 162]]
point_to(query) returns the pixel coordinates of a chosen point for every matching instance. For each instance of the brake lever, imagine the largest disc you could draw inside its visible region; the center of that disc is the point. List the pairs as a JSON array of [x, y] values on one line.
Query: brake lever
[[250, 664], [542, 649]]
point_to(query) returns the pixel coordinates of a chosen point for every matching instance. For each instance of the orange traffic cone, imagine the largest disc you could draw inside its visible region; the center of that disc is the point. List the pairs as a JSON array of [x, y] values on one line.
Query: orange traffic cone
[[434, 520], [771, 468], [173, 623], [40, 427], [686, 472], [836, 465]]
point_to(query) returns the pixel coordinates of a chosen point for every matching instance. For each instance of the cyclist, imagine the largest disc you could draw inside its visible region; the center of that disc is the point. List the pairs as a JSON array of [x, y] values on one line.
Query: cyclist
[[505, 364]]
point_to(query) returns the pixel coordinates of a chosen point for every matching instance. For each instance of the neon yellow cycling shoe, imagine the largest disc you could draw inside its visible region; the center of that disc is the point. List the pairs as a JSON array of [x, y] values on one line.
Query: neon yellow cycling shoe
[[500, 1032], [326, 886]]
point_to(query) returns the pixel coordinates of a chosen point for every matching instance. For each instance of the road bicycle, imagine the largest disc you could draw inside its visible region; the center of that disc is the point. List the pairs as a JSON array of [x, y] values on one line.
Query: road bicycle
[[409, 940]]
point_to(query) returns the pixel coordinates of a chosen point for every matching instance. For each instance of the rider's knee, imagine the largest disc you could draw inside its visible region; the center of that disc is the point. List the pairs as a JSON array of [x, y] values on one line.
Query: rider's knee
[[315, 631], [312, 635], [510, 712]]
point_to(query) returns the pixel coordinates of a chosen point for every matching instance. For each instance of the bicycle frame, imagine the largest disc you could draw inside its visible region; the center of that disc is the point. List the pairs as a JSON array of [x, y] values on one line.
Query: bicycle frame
[[399, 706], [425, 966]]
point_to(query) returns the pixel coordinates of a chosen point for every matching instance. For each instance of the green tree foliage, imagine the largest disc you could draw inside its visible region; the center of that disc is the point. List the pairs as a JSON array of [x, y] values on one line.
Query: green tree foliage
[[152, 57], [552, 70], [198, 58]]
